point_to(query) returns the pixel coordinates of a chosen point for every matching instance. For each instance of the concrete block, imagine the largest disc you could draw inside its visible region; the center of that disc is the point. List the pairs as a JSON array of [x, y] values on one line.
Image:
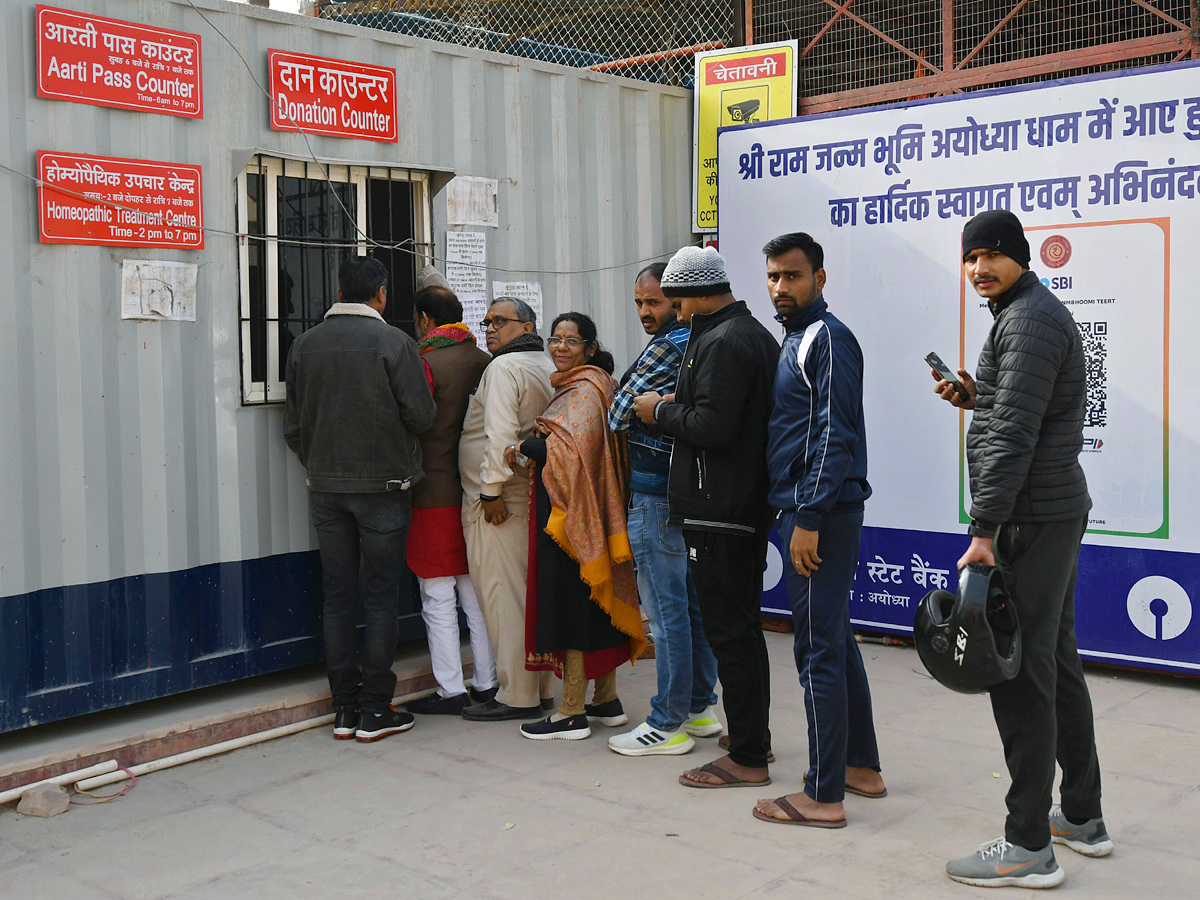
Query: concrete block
[[45, 800]]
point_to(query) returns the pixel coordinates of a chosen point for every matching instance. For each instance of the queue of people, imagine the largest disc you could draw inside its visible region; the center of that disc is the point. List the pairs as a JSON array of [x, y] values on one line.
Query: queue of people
[[553, 502]]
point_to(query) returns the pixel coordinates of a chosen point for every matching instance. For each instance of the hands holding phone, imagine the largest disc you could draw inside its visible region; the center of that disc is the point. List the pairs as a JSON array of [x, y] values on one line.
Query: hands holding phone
[[958, 391]]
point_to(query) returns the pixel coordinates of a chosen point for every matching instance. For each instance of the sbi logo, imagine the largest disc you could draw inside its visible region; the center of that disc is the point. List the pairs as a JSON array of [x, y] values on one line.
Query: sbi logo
[[1159, 608], [773, 571]]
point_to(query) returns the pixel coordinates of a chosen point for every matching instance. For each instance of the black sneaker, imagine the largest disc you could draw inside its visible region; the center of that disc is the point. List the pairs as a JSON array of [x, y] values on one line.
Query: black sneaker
[[345, 723], [574, 728], [375, 726], [611, 713], [483, 696], [433, 705]]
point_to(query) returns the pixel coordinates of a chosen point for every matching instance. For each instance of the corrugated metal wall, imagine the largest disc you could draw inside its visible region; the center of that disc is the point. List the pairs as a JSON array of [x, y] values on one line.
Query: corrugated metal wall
[[124, 449]]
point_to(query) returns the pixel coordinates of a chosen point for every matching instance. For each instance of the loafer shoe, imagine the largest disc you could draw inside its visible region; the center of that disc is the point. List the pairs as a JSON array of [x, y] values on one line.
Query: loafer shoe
[[483, 696], [435, 705], [495, 711]]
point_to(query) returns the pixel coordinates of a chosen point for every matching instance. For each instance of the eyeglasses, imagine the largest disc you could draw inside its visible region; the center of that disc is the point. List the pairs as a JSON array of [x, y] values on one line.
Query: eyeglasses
[[497, 322], [573, 343]]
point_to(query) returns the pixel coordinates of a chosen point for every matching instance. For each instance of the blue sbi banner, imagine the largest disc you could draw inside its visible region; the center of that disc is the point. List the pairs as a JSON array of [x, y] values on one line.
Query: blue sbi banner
[[1105, 174]]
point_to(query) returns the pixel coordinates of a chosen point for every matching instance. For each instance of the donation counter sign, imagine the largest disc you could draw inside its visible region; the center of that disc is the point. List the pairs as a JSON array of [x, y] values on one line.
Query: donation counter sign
[[107, 62], [118, 202], [1104, 173], [332, 96], [735, 87]]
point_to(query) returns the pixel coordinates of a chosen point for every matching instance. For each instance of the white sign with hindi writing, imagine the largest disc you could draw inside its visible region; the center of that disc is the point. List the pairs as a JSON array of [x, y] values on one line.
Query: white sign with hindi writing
[[529, 291], [466, 270]]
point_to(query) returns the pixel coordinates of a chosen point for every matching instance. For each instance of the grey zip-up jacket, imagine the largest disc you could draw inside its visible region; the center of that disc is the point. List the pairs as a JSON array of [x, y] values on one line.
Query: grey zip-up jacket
[[357, 398], [1027, 429]]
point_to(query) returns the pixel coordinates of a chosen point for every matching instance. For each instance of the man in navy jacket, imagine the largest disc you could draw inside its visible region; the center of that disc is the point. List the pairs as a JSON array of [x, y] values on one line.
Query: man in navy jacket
[[817, 463]]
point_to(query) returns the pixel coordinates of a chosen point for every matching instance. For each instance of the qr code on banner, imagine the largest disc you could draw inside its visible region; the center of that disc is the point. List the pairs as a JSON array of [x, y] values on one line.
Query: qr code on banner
[[1095, 349]]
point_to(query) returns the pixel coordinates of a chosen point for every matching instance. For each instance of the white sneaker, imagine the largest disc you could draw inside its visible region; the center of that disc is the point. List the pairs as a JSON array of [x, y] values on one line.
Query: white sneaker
[[647, 741], [704, 724]]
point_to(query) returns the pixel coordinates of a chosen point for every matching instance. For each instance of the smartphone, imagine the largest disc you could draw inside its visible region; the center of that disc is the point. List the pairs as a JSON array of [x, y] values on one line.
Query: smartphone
[[945, 373]]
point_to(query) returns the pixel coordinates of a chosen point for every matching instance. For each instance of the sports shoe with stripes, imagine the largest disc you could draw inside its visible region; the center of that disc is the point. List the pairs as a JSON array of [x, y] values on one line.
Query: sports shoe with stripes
[[647, 741], [1091, 838], [1001, 864], [704, 723]]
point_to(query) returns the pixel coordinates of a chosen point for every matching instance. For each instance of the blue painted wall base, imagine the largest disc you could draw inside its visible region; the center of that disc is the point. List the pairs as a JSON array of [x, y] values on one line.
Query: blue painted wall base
[[78, 649], [1133, 607]]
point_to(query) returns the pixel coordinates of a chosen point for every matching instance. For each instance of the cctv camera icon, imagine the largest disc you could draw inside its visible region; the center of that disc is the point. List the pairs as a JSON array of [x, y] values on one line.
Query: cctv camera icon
[[742, 112]]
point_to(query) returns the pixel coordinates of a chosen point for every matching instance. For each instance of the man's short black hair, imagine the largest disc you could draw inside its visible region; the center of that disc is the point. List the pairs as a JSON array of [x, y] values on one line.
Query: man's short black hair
[[796, 240], [654, 270], [360, 278], [439, 303]]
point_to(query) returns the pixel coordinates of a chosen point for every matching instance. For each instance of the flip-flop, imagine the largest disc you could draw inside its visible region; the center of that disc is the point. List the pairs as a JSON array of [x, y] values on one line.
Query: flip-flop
[[728, 779], [723, 743], [795, 817], [870, 795]]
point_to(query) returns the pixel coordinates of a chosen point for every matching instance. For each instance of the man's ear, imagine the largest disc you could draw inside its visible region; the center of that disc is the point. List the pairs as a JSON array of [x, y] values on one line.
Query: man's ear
[[819, 278], [527, 327]]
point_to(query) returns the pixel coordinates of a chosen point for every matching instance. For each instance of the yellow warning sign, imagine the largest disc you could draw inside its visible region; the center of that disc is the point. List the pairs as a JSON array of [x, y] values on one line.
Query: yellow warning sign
[[736, 87]]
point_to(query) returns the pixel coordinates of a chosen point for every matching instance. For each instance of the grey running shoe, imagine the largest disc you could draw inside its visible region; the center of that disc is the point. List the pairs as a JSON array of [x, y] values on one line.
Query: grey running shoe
[[1001, 864], [1091, 838]]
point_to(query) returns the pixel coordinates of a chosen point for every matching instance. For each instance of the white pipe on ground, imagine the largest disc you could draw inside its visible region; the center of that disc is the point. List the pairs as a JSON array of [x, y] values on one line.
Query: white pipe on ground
[[100, 769], [178, 759]]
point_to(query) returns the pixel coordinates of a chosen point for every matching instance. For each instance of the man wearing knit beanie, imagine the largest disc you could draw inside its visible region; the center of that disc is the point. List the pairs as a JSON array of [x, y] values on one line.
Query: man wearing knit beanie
[[717, 493], [1029, 506]]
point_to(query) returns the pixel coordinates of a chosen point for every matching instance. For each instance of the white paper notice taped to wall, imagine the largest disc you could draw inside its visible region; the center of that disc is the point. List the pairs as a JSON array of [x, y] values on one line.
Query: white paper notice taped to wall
[[154, 289], [472, 201], [466, 270]]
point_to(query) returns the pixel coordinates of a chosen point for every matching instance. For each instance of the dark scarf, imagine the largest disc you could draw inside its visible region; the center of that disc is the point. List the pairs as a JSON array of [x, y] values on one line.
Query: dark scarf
[[526, 343]]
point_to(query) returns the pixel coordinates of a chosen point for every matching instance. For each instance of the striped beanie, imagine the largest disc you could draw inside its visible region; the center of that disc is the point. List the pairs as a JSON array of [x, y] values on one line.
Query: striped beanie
[[695, 272]]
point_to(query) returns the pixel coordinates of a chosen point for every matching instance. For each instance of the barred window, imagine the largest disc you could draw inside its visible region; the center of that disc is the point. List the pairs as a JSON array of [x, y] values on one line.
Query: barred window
[[299, 220]]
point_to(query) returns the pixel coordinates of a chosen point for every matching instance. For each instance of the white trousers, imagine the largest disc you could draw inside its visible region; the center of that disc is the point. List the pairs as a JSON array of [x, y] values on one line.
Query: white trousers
[[440, 612]]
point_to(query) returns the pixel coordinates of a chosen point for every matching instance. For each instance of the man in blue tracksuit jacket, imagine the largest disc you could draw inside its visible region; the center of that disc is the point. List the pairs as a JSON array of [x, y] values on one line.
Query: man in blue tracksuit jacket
[[817, 463]]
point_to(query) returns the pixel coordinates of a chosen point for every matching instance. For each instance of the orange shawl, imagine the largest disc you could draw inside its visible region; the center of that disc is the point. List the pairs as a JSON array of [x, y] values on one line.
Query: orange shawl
[[585, 476]]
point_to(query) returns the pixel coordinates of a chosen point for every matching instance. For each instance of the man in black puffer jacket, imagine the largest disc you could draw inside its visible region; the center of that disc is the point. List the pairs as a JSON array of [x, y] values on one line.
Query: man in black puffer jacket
[[717, 491], [1029, 513]]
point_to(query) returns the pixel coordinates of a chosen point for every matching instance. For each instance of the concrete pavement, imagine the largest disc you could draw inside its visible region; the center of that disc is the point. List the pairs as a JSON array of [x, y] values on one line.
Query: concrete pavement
[[455, 809]]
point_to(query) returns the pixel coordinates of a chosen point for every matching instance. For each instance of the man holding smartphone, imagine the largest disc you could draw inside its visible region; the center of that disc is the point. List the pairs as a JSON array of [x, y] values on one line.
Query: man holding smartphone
[[1029, 506]]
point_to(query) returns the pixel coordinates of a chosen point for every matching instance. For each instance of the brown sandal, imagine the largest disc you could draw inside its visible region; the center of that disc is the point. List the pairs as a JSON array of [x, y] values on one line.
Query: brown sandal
[[728, 779], [795, 817]]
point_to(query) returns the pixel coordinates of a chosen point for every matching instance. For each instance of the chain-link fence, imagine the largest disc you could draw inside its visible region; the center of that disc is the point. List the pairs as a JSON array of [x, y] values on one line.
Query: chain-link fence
[[866, 43], [848, 48], [648, 39]]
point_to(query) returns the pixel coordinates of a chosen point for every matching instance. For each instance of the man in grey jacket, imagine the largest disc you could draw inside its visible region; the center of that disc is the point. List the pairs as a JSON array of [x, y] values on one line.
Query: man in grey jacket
[[356, 399], [1029, 506]]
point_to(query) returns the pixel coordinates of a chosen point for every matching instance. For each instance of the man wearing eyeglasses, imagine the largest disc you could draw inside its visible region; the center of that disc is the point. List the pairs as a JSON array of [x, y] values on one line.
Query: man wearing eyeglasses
[[514, 391]]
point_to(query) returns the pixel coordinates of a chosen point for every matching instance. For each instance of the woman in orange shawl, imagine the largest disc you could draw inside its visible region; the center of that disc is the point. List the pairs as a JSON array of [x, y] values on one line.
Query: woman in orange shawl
[[582, 618]]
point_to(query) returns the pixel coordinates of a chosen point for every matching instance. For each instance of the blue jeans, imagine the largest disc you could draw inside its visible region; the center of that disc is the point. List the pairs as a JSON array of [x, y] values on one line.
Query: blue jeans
[[362, 539], [687, 669], [837, 697]]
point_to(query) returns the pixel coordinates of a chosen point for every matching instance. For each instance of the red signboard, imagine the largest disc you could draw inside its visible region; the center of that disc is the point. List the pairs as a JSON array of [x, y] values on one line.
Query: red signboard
[[118, 202], [90, 59], [748, 68], [331, 96]]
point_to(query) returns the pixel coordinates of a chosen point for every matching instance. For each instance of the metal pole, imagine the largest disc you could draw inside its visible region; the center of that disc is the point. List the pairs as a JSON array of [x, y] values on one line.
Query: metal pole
[[947, 35]]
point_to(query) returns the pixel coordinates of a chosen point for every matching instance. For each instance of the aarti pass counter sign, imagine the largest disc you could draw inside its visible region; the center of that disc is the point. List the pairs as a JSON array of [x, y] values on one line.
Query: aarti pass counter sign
[[736, 87]]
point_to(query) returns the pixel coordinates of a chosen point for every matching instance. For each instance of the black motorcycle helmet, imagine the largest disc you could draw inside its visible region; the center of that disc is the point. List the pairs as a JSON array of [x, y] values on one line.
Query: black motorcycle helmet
[[969, 641]]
